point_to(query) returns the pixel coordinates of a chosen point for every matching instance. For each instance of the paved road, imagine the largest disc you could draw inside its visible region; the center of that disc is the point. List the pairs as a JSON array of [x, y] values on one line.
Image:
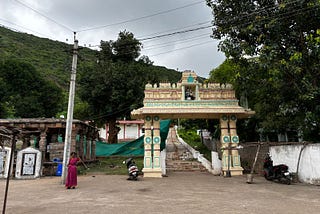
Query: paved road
[[180, 192]]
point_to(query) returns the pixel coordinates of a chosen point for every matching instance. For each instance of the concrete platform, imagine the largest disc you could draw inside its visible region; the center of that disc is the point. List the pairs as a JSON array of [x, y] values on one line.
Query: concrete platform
[[180, 192]]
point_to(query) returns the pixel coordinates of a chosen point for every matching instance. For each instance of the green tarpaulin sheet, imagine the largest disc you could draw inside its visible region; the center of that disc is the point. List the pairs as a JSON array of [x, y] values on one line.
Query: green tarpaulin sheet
[[133, 148]]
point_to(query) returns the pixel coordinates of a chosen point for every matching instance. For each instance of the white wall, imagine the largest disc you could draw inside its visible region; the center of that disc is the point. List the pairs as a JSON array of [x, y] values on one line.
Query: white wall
[[309, 169], [103, 133], [131, 132]]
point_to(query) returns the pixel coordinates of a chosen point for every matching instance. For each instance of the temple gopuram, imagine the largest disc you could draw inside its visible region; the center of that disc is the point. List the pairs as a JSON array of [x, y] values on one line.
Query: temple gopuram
[[190, 99]]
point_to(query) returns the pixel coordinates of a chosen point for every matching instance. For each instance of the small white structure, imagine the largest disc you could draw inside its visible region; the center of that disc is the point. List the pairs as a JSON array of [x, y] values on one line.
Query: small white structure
[[28, 164], [129, 130], [5, 154]]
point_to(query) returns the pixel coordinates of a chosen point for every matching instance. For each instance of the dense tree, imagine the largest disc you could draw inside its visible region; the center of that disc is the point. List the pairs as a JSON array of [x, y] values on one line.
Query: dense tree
[[4, 111], [125, 49], [115, 85], [26, 93], [283, 78], [225, 73]]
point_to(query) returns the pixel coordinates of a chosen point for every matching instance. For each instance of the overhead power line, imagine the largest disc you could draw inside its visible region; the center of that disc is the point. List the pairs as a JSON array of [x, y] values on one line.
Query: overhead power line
[[177, 42], [176, 29], [142, 17], [178, 49], [168, 34], [177, 32], [36, 11]]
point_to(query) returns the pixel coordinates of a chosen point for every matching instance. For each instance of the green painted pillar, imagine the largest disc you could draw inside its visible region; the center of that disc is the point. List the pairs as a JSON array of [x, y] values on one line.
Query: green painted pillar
[[229, 143], [152, 166], [147, 143], [156, 143], [235, 142], [225, 140]]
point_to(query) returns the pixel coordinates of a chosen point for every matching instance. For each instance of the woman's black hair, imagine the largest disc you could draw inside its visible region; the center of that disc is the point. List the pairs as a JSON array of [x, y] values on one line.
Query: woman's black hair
[[73, 153]]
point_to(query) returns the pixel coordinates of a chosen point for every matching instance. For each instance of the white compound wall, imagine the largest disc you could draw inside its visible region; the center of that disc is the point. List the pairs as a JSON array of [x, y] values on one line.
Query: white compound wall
[[309, 167]]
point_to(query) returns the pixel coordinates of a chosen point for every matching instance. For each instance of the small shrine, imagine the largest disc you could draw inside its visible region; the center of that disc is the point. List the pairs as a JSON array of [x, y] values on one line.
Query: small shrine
[[190, 99], [28, 164], [5, 154]]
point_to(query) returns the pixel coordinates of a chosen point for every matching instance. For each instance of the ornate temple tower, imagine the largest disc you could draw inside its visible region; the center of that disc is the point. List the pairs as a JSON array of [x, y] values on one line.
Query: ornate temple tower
[[191, 100]]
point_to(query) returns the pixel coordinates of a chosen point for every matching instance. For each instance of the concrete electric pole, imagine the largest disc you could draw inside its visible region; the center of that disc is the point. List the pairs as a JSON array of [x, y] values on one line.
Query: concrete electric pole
[[67, 139]]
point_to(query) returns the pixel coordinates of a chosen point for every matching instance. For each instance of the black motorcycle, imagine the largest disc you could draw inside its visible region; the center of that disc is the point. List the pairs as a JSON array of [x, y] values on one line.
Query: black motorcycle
[[276, 173], [133, 170]]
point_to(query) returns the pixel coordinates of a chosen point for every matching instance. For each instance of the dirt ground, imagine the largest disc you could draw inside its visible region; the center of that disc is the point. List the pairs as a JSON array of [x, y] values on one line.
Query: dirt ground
[[180, 192]]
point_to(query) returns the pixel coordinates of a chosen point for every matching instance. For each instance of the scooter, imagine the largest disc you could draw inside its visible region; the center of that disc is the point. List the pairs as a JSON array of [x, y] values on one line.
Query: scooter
[[133, 170], [276, 173]]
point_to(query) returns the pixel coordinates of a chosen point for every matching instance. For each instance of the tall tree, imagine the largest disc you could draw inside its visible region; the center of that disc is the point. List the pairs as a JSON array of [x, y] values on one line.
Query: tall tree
[[126, 48], [115, 85], [282, 36]]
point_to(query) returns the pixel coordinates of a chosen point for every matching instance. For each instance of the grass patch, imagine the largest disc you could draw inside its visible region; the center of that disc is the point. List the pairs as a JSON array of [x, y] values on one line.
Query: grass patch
[[109, 166], [191, 137], [113, 165]]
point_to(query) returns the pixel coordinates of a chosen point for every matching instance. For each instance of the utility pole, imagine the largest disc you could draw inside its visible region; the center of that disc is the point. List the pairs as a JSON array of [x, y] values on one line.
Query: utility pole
[[67, 139]]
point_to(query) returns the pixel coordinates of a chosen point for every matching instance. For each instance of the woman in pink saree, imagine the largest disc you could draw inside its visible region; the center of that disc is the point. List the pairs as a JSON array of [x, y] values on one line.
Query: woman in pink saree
[[71, 181]]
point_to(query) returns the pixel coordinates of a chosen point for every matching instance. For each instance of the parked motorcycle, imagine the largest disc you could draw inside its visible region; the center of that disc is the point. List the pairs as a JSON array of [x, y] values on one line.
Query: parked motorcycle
[[276, 173], [133, 170]]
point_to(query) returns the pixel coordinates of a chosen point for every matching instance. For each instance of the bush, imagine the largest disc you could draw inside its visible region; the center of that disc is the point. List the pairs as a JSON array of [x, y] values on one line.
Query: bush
[[193, 139]]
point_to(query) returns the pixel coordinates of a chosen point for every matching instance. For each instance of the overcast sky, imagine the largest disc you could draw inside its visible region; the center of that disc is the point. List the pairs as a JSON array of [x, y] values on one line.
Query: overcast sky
[[96, 20]]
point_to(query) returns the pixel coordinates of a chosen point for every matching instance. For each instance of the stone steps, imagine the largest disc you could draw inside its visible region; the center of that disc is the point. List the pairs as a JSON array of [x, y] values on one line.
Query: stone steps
[[178, 158], [184, 165]]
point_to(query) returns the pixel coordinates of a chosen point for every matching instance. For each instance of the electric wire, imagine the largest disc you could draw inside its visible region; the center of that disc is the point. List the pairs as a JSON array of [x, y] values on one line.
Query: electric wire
[[52, 20], [294, 12], [168, 34], [178, 49], [266, 18], [175, 29], [276, 16], [142, 17], [174, 33], [108, 114], [177, 42]]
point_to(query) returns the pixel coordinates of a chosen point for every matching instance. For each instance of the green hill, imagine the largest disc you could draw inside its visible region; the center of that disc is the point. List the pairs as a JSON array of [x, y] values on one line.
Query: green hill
[[53, 58]]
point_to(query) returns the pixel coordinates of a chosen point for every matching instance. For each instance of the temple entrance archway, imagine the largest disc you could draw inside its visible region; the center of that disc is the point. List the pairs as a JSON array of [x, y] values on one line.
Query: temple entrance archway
[[190, 99]]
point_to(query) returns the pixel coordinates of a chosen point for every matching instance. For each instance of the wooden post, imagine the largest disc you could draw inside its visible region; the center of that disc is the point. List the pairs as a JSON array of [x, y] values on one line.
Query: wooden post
[[13, 144], [250, 176]]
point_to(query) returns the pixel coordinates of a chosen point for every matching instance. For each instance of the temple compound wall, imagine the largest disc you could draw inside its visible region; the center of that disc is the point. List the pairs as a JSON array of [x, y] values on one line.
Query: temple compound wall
[[190, 99]]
